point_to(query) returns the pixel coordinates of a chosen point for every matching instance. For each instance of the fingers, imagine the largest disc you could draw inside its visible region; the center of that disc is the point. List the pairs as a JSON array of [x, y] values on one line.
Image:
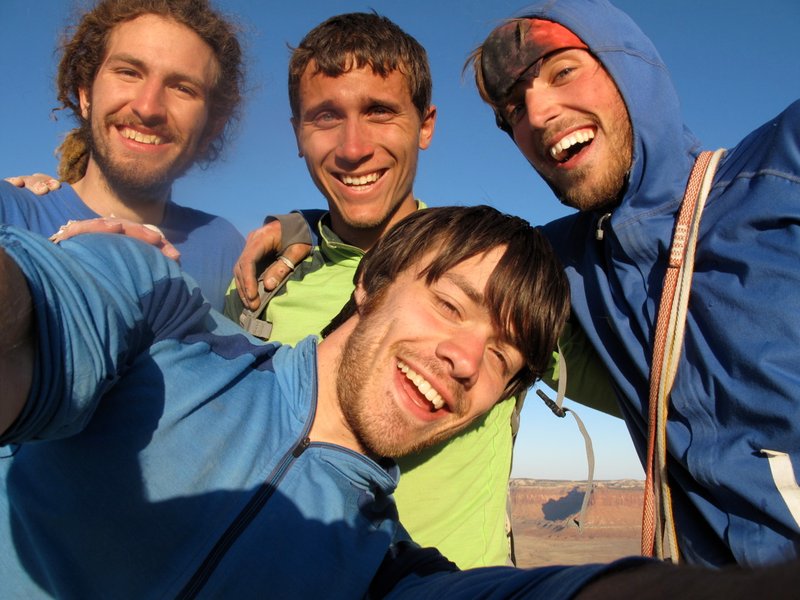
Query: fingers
[[16, 181], [38, 183], [72, 228], [285, 263], [159, 240], [149, 234], [261, 243]]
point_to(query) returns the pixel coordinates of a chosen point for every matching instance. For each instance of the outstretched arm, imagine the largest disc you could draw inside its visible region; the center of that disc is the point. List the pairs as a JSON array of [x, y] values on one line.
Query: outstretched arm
[[16, 341]]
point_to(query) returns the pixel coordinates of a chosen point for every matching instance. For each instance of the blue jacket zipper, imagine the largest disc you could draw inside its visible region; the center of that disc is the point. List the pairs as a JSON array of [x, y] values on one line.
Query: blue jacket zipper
[[243, 520]]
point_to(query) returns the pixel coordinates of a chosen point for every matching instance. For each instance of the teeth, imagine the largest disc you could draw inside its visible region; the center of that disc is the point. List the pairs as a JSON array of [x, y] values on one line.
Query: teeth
[[363, 180], [140, 137], [425, 388], [577, 137]]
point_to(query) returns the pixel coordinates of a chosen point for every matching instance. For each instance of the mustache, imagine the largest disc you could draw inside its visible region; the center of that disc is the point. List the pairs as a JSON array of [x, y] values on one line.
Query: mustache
[[163, 130]]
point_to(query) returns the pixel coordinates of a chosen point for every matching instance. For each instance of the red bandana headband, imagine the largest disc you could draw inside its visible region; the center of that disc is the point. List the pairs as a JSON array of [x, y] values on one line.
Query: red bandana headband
[[514, 49]]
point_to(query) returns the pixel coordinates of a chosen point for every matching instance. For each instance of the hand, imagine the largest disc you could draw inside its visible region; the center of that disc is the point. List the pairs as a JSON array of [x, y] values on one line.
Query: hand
[[262, 243], [149, 234], [38, 183]]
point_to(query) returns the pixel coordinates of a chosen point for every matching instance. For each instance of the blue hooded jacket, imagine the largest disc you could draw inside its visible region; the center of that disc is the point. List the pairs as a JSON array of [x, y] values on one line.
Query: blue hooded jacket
[[733, 433]]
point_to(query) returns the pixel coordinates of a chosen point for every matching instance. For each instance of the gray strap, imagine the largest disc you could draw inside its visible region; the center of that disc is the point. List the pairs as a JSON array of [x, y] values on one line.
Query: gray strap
[[559, 411], [294, 230]]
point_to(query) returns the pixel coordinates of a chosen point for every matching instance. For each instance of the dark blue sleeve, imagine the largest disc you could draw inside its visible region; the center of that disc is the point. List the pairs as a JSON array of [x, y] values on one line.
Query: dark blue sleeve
[[496, 583]]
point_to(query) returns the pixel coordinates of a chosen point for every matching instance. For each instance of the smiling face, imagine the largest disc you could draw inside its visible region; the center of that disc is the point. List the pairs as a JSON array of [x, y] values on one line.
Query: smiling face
[[148, 106], [572, 125], [424, 360], [360, 135]]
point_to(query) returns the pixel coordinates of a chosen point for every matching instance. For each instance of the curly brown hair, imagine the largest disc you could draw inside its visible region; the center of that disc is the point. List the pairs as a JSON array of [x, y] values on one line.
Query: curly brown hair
[[84, 50]]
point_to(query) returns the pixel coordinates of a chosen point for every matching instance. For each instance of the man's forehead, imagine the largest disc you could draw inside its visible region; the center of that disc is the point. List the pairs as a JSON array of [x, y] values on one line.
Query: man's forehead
[[124, 40], [515, 47], [363, 80]]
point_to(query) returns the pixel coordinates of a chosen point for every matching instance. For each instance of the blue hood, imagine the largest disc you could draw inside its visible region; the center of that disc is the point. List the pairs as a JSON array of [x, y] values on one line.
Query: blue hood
[[660, 137]]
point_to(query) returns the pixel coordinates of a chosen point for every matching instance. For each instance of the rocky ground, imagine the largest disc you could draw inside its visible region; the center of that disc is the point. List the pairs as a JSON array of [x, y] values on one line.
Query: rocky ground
[[544, 512]]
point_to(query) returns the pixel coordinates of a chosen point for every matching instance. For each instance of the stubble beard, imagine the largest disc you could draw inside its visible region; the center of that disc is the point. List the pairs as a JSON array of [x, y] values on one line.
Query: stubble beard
[[379, 432], [130, 178]]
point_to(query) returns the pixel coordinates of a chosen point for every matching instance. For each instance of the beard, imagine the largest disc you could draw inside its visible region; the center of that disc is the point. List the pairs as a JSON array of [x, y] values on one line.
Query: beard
[[378, 424], [594, 187], [132, 178]]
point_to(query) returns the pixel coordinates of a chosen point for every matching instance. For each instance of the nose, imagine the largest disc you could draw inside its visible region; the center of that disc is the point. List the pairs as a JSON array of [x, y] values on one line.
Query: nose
[[149, 102], [355, 142], [463, 352], [541, 105]]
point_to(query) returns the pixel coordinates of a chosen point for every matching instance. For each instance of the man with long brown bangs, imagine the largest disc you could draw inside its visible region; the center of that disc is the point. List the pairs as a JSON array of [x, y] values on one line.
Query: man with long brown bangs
[[124, 478], [154, 86], [360, 92]]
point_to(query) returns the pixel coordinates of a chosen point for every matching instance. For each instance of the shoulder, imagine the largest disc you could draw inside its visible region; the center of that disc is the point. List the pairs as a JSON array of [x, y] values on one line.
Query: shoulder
[[770, 152], [41, 214], [190, 220]]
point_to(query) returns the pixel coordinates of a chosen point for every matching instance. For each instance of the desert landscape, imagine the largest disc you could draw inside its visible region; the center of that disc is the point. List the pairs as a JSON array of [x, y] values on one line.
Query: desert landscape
[[543, 514]]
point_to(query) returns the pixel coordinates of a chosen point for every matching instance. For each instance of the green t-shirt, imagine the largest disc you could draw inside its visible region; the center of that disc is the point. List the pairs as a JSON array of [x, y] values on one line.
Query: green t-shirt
[[451, 496]]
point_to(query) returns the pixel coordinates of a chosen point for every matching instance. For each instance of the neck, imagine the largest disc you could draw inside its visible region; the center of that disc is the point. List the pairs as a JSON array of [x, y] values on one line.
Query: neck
[[329, 422], [366, 237], [98, 194]]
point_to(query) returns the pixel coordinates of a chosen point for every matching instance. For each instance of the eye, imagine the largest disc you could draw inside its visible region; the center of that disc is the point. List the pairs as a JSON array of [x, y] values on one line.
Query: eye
[[381, 113], [325, 119], [449, 307], [126, 72], [564, 75], [186, 90], [514, 112], [501, 359]]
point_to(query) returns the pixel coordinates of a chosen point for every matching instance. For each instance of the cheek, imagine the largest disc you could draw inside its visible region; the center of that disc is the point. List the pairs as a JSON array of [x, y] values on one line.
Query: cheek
[[525, 145]]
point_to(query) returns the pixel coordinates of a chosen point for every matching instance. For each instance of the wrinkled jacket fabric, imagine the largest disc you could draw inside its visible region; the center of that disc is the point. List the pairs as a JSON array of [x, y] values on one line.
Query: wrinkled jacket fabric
[[162, 453], [733, 433]]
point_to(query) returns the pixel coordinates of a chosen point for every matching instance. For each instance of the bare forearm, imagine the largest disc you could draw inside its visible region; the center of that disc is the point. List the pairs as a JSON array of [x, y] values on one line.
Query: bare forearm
[[16, 341]]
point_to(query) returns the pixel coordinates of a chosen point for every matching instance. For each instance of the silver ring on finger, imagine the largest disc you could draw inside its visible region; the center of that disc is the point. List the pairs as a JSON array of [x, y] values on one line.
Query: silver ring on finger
[[287, 262]]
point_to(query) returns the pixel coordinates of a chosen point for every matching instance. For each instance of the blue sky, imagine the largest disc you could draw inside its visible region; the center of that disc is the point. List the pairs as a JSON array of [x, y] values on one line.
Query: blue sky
[[735, 65]]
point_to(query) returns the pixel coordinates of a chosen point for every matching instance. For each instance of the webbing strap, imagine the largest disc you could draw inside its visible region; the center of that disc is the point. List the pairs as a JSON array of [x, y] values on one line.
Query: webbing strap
[[559, 410], [658, 526]]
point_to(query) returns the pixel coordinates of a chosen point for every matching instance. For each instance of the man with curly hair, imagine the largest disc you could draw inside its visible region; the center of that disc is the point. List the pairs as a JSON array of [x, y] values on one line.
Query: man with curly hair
[[154, 86]]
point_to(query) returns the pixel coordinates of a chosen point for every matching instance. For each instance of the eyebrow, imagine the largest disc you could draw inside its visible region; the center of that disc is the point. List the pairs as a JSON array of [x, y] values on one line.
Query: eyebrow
[[332, 105], [465, 285]]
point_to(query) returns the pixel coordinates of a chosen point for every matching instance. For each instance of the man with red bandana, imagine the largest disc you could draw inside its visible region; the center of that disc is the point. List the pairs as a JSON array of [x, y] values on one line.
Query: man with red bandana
[[586, 98], [153, 87]]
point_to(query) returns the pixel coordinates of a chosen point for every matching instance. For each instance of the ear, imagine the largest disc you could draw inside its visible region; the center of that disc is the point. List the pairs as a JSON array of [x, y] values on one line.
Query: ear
[[83, 101], [296, 129], [426, 128], [213, 129], [360, 295]]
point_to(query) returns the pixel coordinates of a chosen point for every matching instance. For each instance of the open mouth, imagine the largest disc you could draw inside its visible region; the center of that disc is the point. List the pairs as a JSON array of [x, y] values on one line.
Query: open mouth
[[571, 144], [423, 386], [360, 181], [142, 138]]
